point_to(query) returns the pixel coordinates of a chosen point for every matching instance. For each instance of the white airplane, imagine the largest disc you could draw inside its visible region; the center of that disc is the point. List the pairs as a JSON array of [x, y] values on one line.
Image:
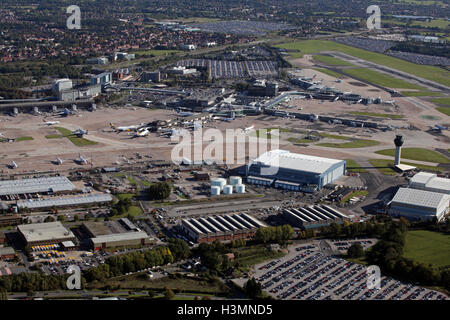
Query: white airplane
[[80, 132], [51, 123], [143, 132], [14, 165], [58, 161], [125, 129], [249, 128], [82, 160], [184, 114], [389, 103], [2, 135]]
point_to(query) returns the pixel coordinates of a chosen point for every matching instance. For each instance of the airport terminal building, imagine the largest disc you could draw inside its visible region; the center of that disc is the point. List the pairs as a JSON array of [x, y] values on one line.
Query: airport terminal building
[[294, 171]]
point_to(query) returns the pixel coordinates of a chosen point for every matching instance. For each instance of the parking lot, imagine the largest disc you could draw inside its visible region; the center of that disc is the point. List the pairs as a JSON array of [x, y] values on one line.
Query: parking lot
[[307, 273]]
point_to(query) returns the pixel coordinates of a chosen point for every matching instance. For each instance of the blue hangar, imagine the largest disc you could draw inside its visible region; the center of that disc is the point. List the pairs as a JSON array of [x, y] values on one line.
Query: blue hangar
[[293, 171]]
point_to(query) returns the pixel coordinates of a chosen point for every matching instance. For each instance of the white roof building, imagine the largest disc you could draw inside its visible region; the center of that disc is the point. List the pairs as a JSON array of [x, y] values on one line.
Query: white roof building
[[430, 182], [50, 232], [419, 204], [35, 185]]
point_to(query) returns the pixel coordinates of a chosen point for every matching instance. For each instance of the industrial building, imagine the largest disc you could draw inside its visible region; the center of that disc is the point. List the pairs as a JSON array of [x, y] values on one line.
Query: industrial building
[[113, 234], [151, 76], [313, 216], [263, 88], [7, 253], [65, 202], [48, 185], [84, 92], [293, 171], [222, 228], [127, 239], [102, 78], [418, 204], [10, 220], [44, 233], [429, 182]]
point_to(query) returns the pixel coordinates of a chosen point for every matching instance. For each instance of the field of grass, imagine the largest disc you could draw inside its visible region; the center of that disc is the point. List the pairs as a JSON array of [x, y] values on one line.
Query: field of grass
[[79, 142], [379, 115], [332, 60], [387, 166], [330, 73], [444, 110], [353, 166], [421, 93], [300, 141], [428, 247], [445, 101], [357, 143], [315, 46], [380, 79], [54, 136], [24, 139], [249, 256], [418, 154]]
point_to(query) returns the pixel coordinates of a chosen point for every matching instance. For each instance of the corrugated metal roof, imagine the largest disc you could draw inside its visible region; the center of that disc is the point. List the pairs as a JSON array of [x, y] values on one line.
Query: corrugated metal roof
[[35, 185], [46, 203], [420, 198]]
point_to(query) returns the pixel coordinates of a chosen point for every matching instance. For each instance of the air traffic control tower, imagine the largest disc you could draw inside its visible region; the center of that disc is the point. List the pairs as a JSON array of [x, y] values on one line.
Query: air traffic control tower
[[398, 148]]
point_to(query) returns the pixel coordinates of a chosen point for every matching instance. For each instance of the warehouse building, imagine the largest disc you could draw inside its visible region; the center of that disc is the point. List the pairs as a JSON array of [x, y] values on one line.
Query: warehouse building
[[294, 171], [10, 220], [418, 204], [312, 217], [127, 239], [44, 233], [7, 253], [48, 185], [114, 234], [430, 182], [222, 228], [65, 202]]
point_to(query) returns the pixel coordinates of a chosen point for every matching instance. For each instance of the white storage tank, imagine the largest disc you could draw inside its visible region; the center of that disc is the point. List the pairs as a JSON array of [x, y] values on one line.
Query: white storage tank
[[228, 189], [235, 180], [218, 182], [215, 190], [240, 188]]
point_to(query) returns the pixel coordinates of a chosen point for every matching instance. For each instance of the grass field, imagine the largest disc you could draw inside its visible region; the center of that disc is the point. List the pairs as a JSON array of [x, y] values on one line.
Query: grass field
[[380, 79], [248, 256], [444, 110], [421, 93], [353, 166], [315, 46], [428, 247], [357, 143], [332, 60], [330, 73], [24, 139], [387, 166], [379, 115], [418, 154], [79, 142], [54, 136], [445, 101]]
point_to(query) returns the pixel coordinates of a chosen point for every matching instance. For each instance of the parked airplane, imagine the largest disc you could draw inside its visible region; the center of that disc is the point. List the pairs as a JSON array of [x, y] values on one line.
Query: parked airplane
[[58, 161], [82, 160], [80, 132], [125, 129], [389, 103], [249, 128], [50, 123], [13, 165], [184, 114], [142, 132], [2, 135]]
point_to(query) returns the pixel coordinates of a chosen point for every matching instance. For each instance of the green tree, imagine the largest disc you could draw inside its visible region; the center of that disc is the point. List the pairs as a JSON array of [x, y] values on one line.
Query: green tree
[[168, 294], [159, 191], [253, 288], [355, 251], [49, 219]]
